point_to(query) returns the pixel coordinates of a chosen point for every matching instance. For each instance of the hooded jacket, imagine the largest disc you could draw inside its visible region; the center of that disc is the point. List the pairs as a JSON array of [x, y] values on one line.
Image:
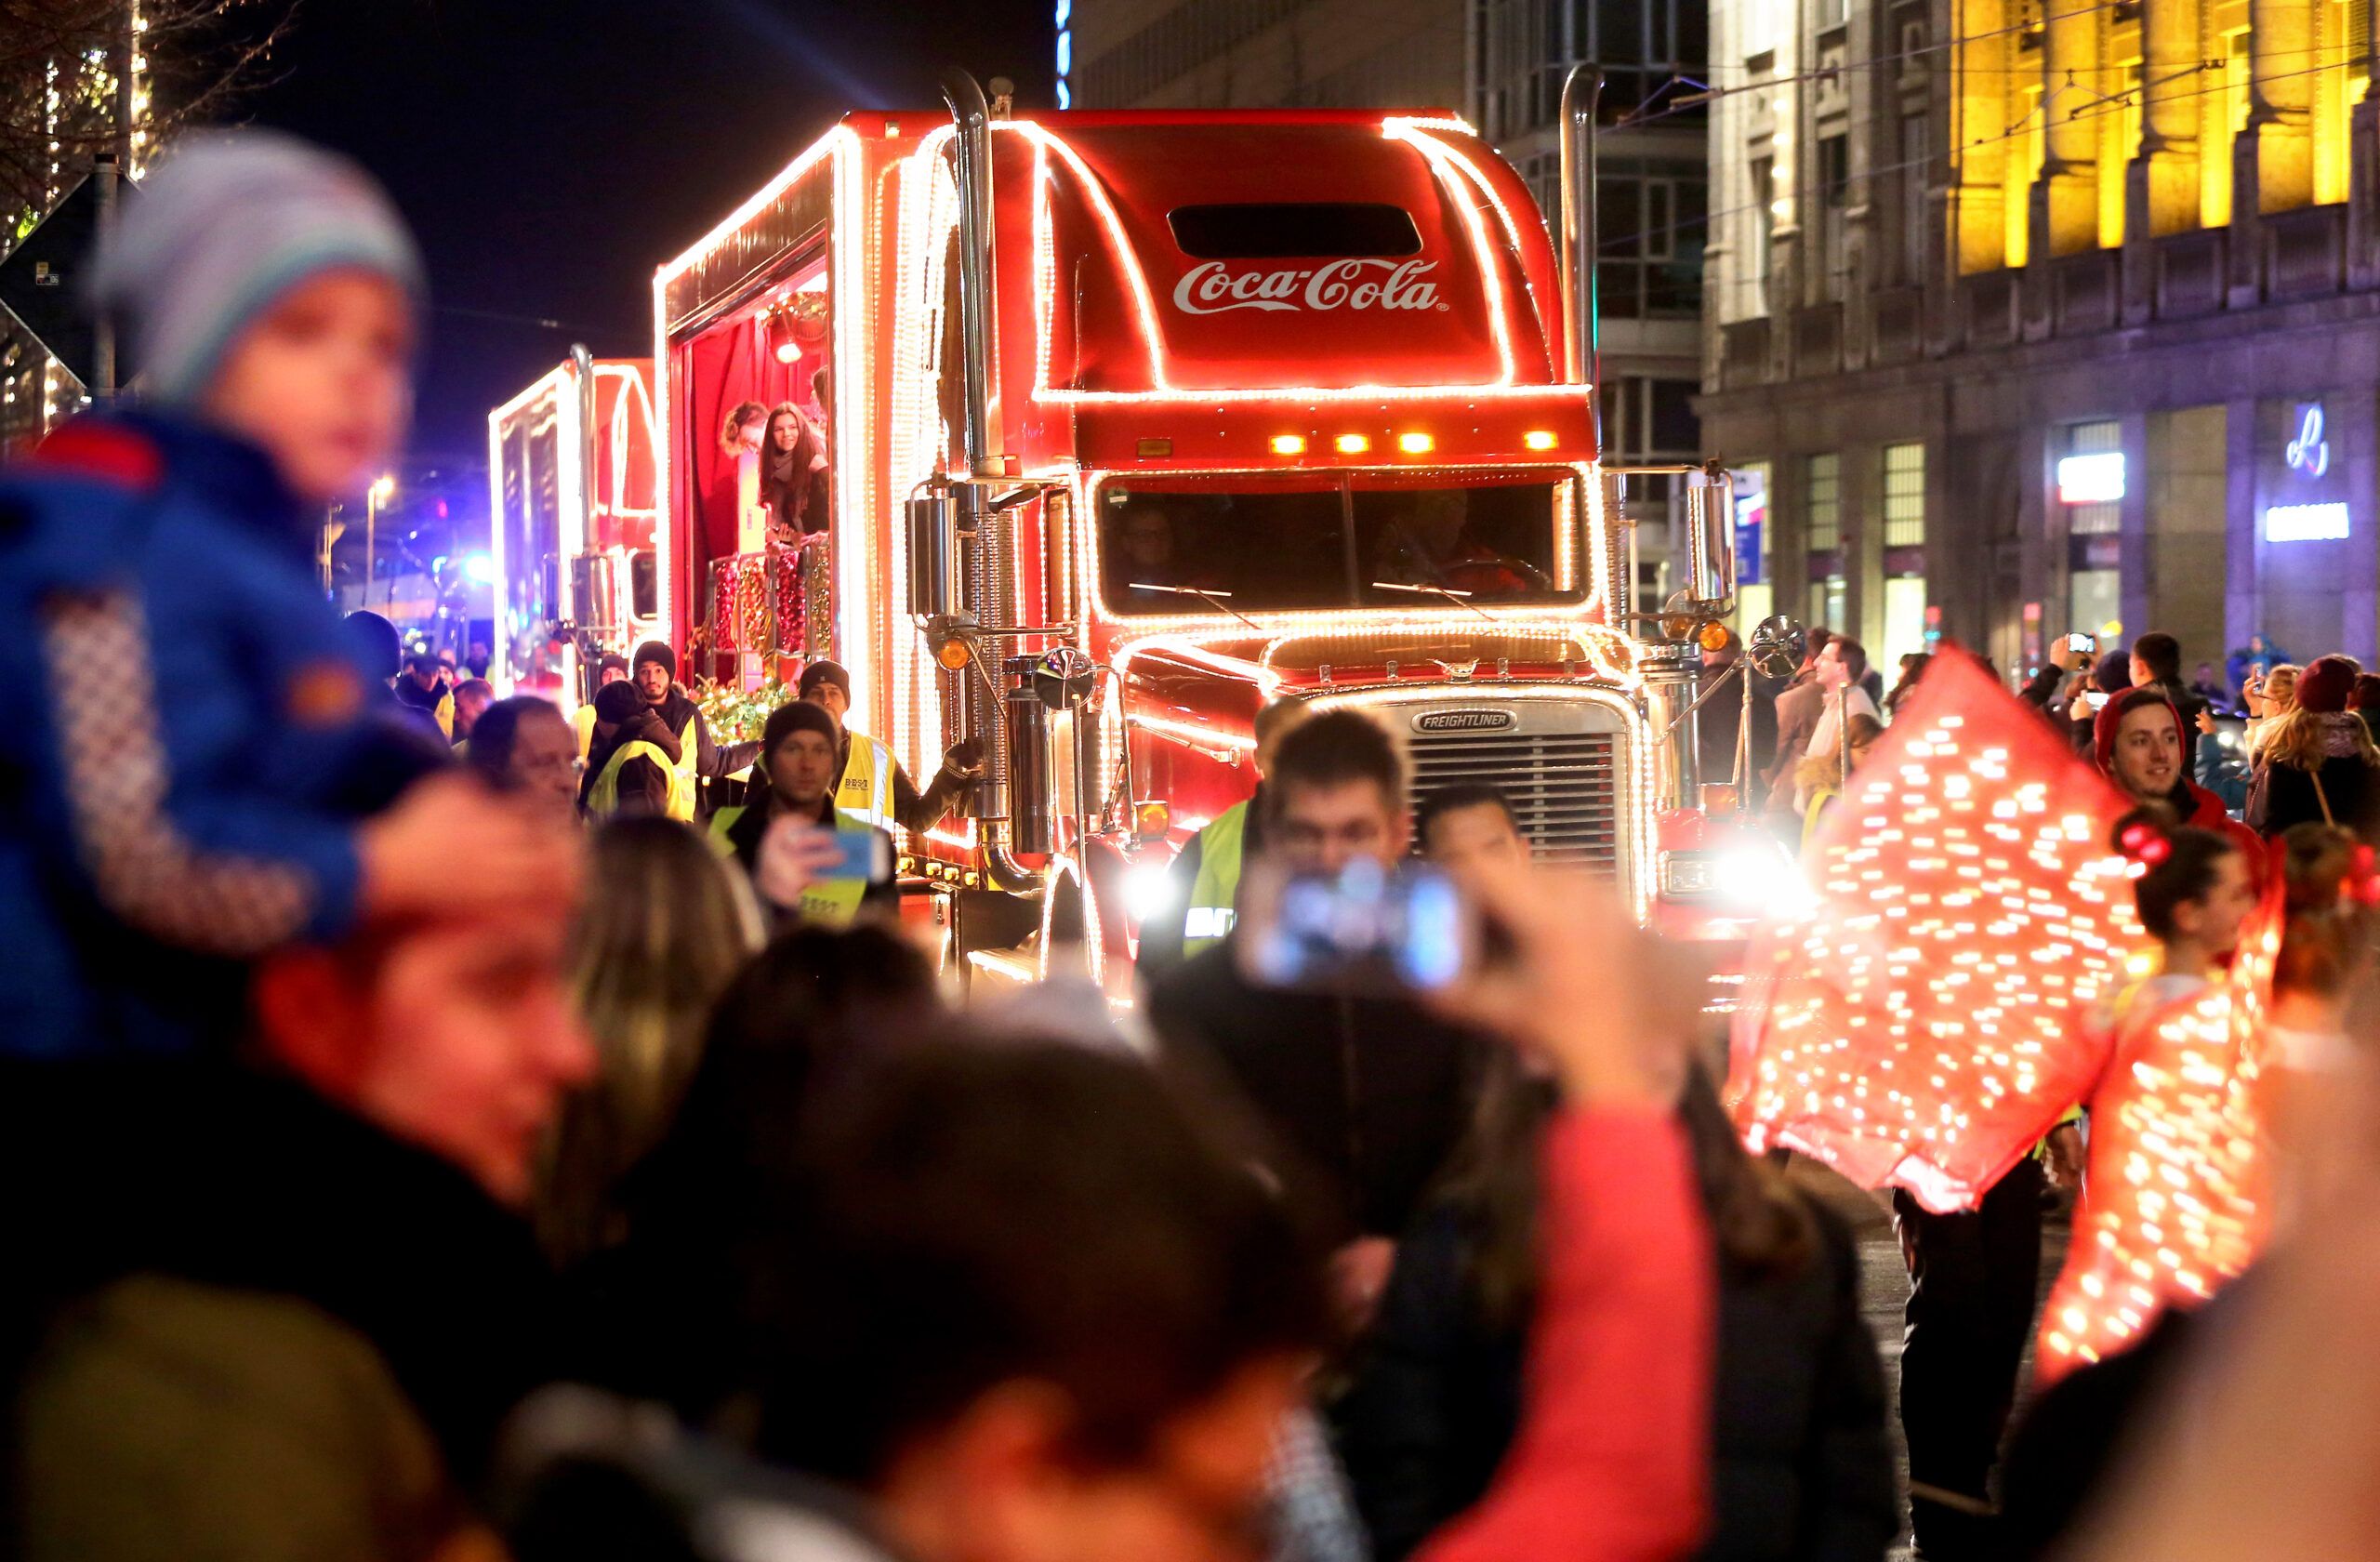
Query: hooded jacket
[[642, 788], [195, 752], [2197, 808]]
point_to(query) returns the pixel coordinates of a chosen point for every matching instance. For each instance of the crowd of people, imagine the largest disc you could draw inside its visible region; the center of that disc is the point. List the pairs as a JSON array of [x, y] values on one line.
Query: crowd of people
[[442, 1133]]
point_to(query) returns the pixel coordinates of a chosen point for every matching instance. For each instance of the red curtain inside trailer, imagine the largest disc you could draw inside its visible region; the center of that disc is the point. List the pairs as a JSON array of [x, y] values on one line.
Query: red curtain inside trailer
[[773, 351]]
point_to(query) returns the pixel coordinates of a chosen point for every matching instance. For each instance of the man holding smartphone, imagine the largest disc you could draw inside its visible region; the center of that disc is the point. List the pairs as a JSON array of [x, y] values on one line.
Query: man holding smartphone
[[1364, 1096], [808, 862]]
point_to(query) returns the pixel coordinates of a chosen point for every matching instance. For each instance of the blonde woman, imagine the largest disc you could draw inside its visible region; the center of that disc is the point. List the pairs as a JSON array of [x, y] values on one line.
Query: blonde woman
[[666, 926], [1820, 777], [2268, 695], [2317, 763]]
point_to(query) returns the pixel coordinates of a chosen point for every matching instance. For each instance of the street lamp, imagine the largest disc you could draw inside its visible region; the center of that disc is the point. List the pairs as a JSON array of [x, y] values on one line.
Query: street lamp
[[374, 498]]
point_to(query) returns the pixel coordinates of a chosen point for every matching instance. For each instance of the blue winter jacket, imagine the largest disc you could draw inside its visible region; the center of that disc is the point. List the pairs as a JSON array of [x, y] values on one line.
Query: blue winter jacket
[[194, 744]]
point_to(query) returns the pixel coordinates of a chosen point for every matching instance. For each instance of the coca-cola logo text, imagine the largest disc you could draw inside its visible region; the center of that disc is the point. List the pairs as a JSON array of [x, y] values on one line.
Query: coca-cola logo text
[[1355, 285]]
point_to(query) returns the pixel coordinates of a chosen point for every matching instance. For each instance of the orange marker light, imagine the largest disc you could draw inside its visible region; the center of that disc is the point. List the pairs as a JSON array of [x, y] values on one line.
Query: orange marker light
[[1288, 445], [953, 654], [1539, 439], [1416, 444], [1354, 444]]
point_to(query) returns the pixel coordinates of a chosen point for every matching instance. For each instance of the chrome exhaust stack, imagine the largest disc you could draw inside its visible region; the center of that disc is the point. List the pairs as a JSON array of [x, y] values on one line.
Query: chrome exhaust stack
[[988, 592]]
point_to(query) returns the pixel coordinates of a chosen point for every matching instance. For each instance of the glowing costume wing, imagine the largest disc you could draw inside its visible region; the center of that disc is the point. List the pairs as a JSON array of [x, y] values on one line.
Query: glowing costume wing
[[2174, 1203], [1914, 1023]]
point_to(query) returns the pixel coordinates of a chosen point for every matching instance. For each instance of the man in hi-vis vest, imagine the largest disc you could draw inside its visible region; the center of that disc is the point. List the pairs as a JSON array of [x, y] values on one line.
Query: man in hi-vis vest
[[1203, 882], [655, 675], [633, 767], [801, 753], [870, 786]]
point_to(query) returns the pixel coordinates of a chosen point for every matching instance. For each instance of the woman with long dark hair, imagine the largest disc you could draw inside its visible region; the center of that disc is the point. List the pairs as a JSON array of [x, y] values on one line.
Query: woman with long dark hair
[[1801, 1466], [793, 475]]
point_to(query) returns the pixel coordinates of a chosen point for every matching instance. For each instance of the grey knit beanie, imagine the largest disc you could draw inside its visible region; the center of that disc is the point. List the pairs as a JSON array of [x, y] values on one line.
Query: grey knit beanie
[[228, 223]]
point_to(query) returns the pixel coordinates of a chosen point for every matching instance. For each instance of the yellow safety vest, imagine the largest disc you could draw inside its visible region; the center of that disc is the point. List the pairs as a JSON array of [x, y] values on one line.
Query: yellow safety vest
[[583, 719], [682, 792], [865, 793], [829, 903], [1814, 814], [603, 797], [1212, 910]]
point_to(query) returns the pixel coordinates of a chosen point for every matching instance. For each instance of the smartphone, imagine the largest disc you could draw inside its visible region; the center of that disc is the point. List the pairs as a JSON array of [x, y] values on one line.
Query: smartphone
[[866, 854], [1364, 929], [2082, 643], [2096, 699]]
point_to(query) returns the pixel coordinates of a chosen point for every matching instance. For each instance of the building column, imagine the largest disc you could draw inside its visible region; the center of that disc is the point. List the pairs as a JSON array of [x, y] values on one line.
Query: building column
[[2363, 172], [2161, 185], [2280, 115], [2064, 215], [2137, 586], [1976, 209], [2242, 591]]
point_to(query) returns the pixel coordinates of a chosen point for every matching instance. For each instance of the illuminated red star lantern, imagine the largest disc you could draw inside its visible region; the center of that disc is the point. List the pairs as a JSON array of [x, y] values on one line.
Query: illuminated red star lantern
[[2174, 1203], [1914, 1022]]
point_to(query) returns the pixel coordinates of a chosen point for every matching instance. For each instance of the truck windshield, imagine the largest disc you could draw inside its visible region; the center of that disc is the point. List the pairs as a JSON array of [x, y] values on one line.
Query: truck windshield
[[1331, 541]]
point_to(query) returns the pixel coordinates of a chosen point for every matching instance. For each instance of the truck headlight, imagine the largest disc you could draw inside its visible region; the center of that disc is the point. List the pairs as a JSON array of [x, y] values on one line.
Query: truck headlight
[[1749, 878]]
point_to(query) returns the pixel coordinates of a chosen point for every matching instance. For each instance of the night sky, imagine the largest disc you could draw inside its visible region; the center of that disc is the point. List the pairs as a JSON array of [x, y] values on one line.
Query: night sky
[[552, 154]]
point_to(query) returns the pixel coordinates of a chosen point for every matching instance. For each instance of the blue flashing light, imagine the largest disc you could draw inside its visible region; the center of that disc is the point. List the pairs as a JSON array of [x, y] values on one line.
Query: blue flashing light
[[479, 567]]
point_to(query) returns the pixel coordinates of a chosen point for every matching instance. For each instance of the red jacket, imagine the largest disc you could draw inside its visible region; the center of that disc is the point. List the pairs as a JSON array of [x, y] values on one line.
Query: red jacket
[[2207, 810], [1612, 1461]]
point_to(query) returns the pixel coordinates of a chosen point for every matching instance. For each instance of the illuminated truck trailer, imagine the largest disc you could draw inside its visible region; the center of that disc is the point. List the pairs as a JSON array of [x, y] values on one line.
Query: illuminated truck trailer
[[570, 466], [1128, 423]]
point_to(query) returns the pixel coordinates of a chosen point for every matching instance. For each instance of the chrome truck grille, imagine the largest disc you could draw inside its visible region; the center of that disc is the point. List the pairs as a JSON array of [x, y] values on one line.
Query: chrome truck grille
[[1561, 759]]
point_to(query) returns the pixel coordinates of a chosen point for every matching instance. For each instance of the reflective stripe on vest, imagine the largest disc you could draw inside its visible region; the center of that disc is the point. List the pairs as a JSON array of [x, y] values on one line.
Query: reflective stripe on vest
[[682, 793], [1210, 912], [603, 797], [720, 823], [865, 793]]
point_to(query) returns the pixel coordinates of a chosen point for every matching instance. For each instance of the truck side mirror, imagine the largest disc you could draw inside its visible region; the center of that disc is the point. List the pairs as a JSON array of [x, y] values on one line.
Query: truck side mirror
[[934, 555], [1710, 539]]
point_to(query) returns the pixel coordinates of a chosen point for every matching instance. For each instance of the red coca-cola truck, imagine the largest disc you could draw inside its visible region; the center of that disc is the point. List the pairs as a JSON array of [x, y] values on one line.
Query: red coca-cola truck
[[572, 522], [1135, 421]]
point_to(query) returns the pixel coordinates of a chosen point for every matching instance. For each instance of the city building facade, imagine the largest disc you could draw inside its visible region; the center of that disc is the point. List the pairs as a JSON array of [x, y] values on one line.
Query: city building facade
[[2034, 316], [1501, 63]]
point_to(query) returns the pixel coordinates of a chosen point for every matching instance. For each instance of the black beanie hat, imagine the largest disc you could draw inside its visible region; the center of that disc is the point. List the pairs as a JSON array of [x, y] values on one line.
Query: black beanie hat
[[658, 651], [796, 716], [612, 659], [618, 702], [823, 672]]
